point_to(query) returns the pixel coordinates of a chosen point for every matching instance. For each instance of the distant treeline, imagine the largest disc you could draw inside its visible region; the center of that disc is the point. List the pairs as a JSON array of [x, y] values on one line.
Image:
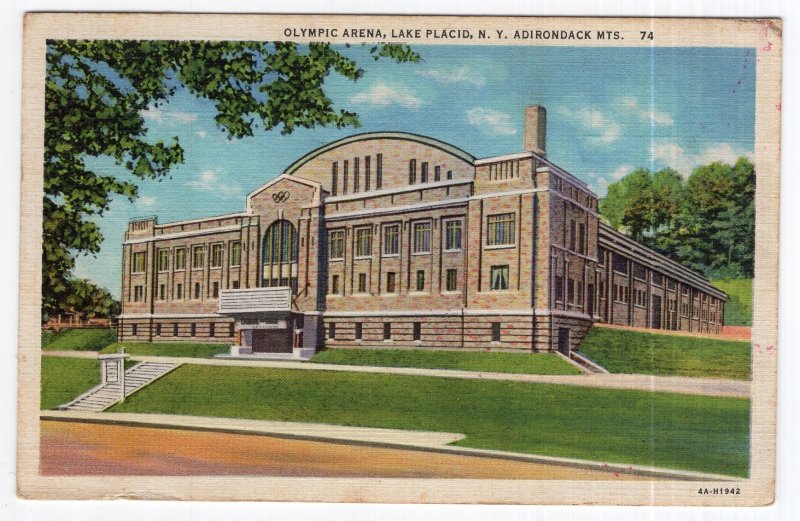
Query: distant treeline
[[706, 221]]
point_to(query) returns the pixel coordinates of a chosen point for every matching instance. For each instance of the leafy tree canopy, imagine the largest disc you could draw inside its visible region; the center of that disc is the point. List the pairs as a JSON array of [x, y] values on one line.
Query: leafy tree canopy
[[95, 93]]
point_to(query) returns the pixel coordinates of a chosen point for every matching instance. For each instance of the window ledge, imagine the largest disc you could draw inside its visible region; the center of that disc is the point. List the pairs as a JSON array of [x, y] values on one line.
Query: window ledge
[[390, 255], [453, 251], [363, 257], [418, 253], [500, 246]]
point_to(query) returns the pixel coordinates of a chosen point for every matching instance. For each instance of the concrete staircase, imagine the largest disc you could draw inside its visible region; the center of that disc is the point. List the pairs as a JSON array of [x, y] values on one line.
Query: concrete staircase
[[104, 396], [588, 365]]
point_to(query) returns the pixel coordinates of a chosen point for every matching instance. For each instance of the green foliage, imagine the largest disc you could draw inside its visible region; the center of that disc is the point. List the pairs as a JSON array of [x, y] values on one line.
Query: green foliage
[[79, 340], [706, 222], [528, 363], [701, 433], [64, 379], [179, 349], [96, 91], [636, 352], [739, 306]]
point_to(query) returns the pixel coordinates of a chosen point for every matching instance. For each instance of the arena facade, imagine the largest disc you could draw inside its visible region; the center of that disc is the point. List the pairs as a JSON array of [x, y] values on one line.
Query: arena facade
[[390, 239]]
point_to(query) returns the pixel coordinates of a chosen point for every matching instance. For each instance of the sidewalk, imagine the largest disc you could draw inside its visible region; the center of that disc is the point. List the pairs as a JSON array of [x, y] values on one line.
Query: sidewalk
[[659, 384]]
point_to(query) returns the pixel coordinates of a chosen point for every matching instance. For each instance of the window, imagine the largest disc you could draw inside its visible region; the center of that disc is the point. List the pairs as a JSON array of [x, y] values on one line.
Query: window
[[163, 260], [356, 176], [422, 237], [639, 271], [334, 284], [197, 290], [235, 284], [334, 178], [571, 291], [231, 329], [572, 235], [198, 257], [236, 253], [344, 177], [452, 235], [559, 288], [367, 173], [412, 171], [212, 329], [387, 330], [280, 243], [216, 255], [500, 229], [417, 331], [619, 263], [215, 290], [134, 328], [180, 259], [420, 280], [424, 173], [449, 175], [499, 277], [363, 242], [139, 259], [336, 245], [362, 282], [332, 331], [391, 240], [359, 331], [495, 331], [162, 291], [138, 293], [579, 294], [437, 173], [452, 280], [193, 329], [658, 279], [179, 291], [379, 171], [175, 329], [390, 282], [582, 238]]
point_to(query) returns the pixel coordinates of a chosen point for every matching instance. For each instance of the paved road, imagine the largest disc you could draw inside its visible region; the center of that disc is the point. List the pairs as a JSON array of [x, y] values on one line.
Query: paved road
[[663, 384], [73, 448]]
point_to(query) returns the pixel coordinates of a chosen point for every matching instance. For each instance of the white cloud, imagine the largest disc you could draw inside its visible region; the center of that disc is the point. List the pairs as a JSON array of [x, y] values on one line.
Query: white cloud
[[491, 121], [647, 115], [621, 172], [201, 133], [461, 74], [598, 128], [675, 156], [147, 201], [210, 181], [383, 95], [176, 116]]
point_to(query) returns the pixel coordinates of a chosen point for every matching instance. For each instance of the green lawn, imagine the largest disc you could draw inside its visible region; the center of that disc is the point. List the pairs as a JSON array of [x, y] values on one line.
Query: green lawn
[[78, 339], [500, 362], [635, 427], [622, 351], [64, 379], [739, 306], [182, 349]]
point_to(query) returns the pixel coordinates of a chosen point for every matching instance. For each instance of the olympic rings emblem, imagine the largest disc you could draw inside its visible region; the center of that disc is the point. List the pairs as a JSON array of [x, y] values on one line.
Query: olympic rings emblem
[[280, 197]]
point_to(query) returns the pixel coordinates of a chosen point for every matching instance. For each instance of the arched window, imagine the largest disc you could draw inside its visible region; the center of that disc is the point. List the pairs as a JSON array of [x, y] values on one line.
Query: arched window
[[279, 255]]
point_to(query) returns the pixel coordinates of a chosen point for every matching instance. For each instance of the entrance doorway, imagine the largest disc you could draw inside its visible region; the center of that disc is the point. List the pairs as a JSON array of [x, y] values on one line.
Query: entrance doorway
[[563, 341], [272, 341]]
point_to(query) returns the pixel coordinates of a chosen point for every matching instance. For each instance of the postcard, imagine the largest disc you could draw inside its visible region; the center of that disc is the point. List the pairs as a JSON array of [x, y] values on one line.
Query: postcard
[[399, 259]]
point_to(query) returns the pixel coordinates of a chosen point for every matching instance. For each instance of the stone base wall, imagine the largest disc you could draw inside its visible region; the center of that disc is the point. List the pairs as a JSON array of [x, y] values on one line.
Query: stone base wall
[[546, 337], [147, 330]]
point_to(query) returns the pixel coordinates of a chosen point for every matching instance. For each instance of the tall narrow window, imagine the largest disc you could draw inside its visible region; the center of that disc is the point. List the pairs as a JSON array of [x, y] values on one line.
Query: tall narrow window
[[198, 257], [572, 235], [559, 288], [452, 280], [495, 331], [391, 278], [422, 237], [162, 292], [391, 240], [367, 173], [499, 277], [363, 242], [163, 260], [216, 255], [449, 175], [196, 290], [335, 178], [571, 291], [362, 282], [500, 229], [138, 293], [582, 238], [379, 171], [412, 171], [437, 173], [359, 331], [134, 330], [175, 329], [387, 330], [420, 280], [452, 235], [344, 176], [424, 173], [212, 329], [356, 175], [417, 331], [215, 290], [139, 259], [179, 291], [180, 259], [332, 331], [334, 285], [236, 253], [193, 329], [336, 245]]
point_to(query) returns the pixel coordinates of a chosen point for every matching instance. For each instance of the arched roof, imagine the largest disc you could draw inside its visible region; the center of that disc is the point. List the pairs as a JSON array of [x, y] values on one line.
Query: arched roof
[[367, 136]]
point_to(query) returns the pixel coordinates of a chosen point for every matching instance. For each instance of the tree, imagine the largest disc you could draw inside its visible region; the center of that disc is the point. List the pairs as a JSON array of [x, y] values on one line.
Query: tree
[[95, 92], [89, 300]]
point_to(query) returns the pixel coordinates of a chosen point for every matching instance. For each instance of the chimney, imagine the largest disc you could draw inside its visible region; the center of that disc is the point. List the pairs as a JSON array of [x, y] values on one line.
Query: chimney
[[535, 139]]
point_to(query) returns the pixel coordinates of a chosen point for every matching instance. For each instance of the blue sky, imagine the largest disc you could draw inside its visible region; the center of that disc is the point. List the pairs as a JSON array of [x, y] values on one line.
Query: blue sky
[[609, 111]]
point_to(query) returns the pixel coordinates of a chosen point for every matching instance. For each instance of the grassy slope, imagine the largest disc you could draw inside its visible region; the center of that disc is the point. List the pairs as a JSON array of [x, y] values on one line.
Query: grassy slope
[[184, 349], [64, 379], [649, 353], [739, 307], [465, 360], [667, 430], [78, 339]]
